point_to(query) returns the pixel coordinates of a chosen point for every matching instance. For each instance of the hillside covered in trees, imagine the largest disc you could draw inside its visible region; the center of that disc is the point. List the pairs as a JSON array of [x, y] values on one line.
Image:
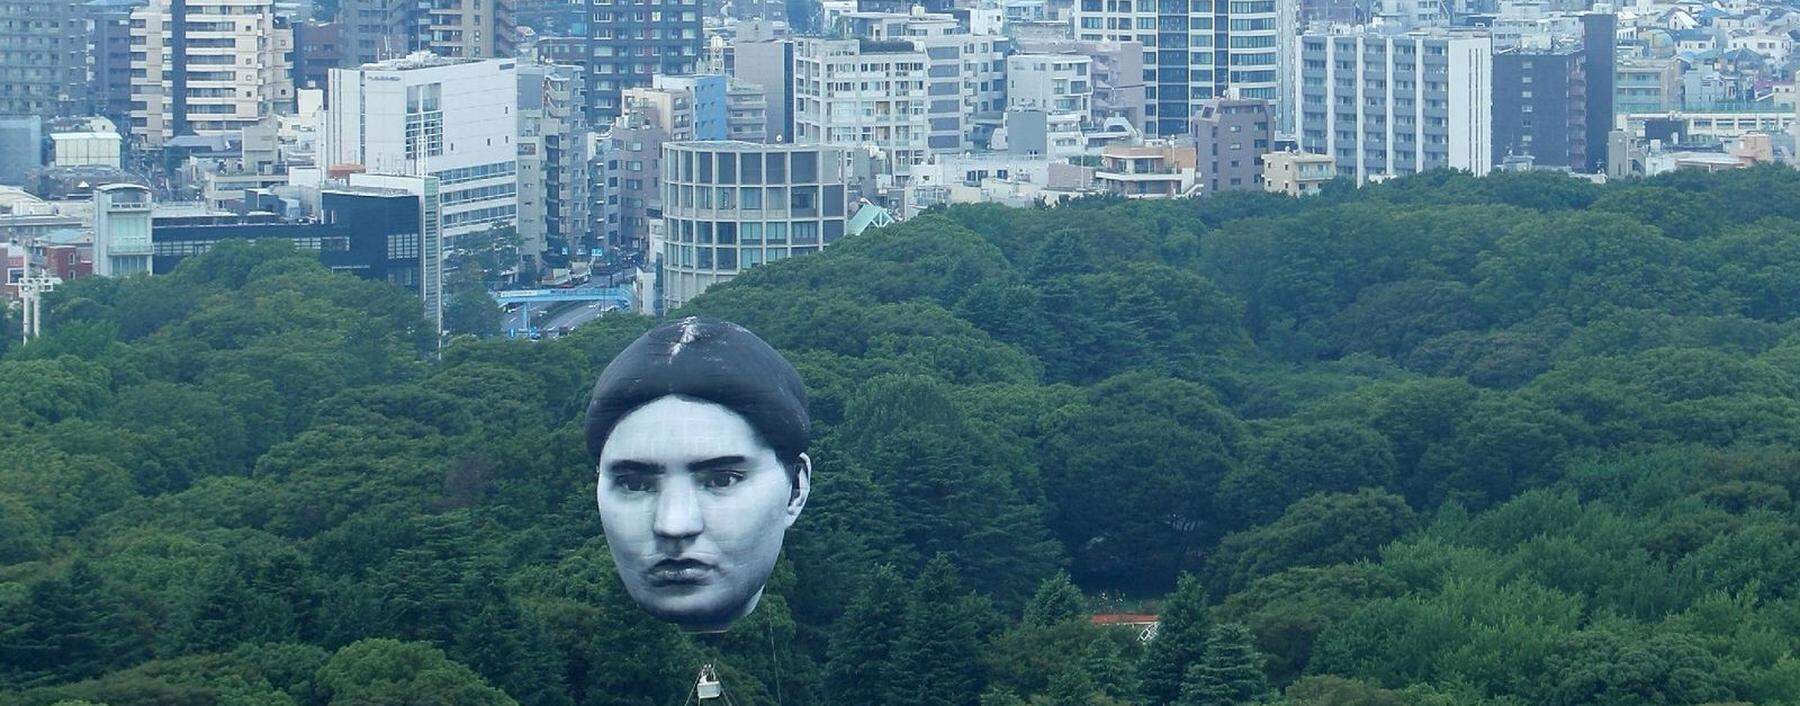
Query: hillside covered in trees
[[1446, 441]]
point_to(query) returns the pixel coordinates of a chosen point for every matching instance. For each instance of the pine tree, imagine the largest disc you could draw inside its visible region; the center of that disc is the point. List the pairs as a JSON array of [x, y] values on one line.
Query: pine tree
[[1181, 635], [1070, 687], [502, 644], [860, 668], [938, 657], [1057, 600], [1230, 674]]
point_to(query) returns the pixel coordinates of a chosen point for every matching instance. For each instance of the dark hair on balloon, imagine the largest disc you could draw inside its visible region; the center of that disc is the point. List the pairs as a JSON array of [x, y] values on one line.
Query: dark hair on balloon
[[711, 360]]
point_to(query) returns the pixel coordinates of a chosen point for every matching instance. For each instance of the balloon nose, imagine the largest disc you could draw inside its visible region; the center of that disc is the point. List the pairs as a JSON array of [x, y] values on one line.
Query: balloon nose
[[678, 512]]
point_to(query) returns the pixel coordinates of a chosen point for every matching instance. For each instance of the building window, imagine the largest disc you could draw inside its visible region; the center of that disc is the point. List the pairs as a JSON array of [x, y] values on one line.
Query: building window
[[402, 246]]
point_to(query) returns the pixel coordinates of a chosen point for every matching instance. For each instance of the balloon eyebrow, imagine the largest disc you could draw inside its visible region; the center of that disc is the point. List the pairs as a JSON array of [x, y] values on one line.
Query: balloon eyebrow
[[716, 463], [629, 466]]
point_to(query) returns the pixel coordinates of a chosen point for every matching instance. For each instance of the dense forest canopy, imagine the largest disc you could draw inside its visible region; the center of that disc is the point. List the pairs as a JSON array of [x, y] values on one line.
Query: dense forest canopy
[[1506, 441]]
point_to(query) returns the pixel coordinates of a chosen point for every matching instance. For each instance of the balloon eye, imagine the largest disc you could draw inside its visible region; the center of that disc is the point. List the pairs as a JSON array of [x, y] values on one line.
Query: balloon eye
[[723, 479]]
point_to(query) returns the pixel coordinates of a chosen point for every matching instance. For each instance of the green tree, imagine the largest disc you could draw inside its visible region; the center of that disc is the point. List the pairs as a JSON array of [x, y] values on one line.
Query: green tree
[[1320, 530], [1608, 669], [381, 671], [1057, 600], [861, 667], [937, 659], [469, 309], [1183, 626], [1229, 674], [950, 495]]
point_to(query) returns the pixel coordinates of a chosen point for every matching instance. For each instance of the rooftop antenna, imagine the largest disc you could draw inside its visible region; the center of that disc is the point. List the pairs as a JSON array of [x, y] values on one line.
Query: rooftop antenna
[[31, 294]]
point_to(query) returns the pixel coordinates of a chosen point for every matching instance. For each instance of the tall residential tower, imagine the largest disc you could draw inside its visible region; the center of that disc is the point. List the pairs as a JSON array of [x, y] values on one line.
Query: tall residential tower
[[1197, 50]]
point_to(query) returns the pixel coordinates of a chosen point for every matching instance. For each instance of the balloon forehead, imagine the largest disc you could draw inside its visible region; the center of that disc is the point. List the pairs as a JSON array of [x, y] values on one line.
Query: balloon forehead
[[680, 427]]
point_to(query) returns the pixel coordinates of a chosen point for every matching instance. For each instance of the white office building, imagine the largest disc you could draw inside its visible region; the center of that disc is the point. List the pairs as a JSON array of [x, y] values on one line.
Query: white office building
[[424, 115], [1397, 104]]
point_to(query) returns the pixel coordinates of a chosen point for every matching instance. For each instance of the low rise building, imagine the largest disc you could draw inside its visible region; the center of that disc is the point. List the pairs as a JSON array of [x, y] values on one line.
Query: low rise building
[[1648, 86], [1297, 173], [1154, 171], [122, 230]]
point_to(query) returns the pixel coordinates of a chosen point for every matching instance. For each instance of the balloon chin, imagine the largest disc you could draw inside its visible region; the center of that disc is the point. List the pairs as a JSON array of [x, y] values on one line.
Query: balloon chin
[[713, 626]]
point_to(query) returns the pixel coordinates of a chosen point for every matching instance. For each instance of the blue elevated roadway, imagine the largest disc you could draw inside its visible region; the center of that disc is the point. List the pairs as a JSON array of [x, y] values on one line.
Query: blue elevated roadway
[[600, 298]]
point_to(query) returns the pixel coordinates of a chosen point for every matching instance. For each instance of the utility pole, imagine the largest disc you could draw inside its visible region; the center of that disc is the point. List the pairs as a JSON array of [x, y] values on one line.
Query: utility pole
[[31, 294]]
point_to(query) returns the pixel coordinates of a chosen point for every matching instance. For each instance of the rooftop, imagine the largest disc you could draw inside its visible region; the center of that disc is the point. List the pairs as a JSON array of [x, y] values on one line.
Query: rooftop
[[422, 60], [742, 146]]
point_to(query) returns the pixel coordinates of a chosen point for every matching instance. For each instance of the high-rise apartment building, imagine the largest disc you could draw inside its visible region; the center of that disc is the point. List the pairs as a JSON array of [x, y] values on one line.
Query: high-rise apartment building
[[862, 91], [372, 30], [1195, 50], [43, 58], [1397, 104], [965, 74], [1599, 42], [426, 115], [603, 188], [1540, 106], [553, 187], [729, 206], [625, 44], [375, 30], [109, 58], [207, 67], [746, 111], [1553, 94]]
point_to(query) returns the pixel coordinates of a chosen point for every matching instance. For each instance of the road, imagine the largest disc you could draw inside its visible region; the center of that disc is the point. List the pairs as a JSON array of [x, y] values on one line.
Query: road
[[571, 318], [574, 317]]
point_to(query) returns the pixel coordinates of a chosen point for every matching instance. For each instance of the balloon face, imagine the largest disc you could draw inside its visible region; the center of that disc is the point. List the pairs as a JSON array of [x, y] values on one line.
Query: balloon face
[[695, 505]]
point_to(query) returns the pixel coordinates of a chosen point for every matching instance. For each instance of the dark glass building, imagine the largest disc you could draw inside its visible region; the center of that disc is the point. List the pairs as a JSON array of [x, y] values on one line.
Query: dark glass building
[[373, 233], [1555, 104], [1540, 106]]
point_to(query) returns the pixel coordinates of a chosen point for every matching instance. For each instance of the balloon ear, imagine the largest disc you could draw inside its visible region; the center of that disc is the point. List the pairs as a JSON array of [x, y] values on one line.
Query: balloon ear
[[802, 488]]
